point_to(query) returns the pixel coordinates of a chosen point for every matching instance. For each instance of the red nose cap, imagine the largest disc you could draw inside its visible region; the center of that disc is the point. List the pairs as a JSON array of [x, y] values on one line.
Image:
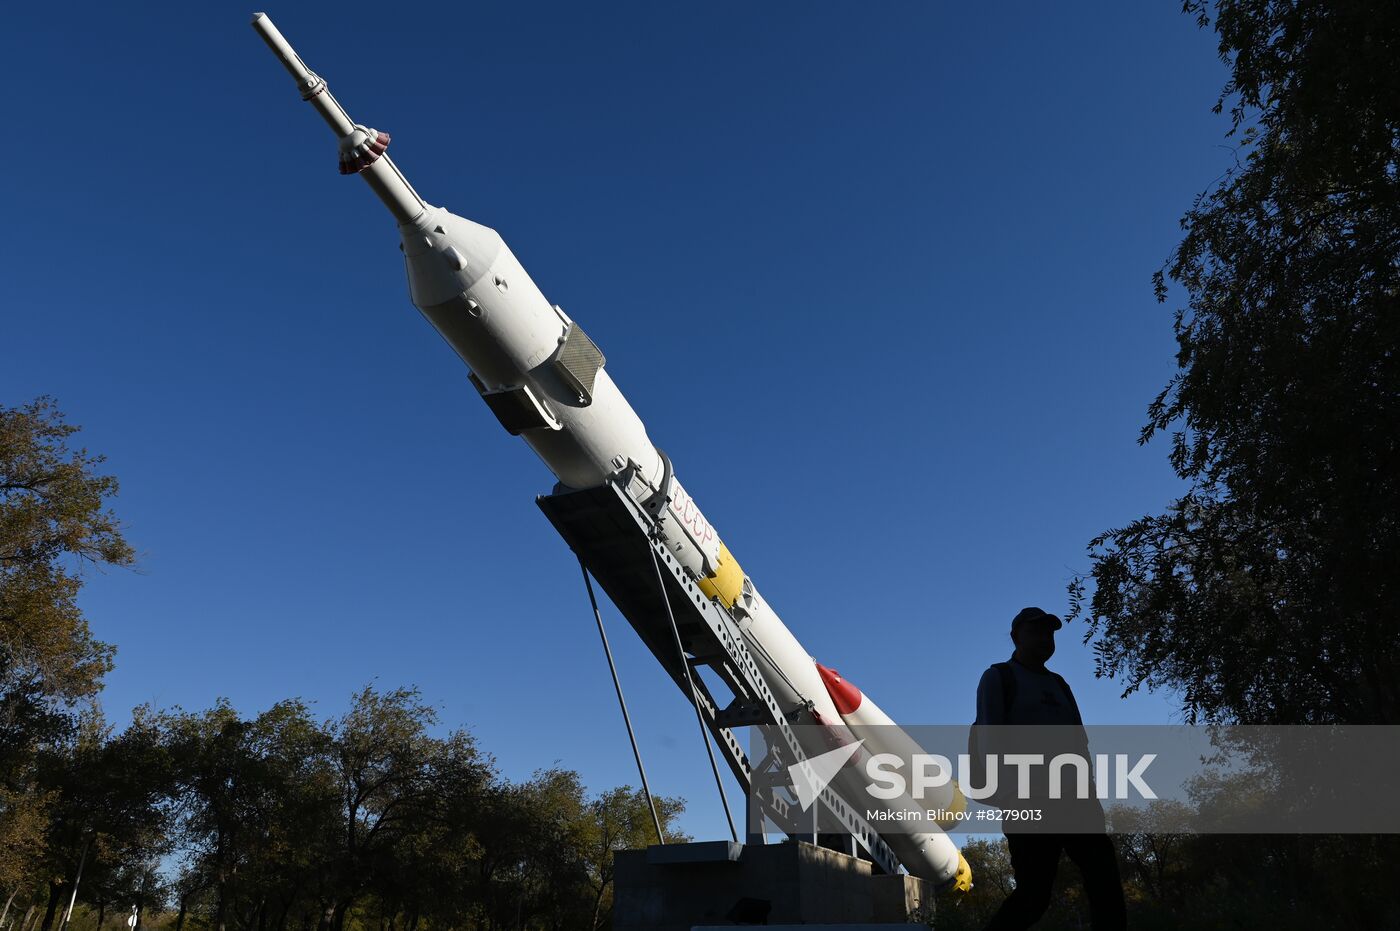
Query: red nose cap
[[843, 694]]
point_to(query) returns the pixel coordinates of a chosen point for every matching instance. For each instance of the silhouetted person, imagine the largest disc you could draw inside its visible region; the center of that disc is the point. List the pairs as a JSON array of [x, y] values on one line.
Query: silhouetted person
[[1023, 692]]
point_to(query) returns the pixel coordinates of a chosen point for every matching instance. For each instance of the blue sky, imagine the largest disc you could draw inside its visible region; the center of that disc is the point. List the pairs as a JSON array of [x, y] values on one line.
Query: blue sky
[[877, 281]]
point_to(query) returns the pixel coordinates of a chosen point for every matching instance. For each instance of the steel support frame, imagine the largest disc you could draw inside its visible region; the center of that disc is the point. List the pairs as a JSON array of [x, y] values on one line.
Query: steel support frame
[[608, 531]]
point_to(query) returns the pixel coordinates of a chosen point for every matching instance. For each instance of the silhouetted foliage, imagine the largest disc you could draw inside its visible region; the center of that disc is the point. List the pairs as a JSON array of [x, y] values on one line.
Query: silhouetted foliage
[[1268, 592], [214, 821], [105, 813]]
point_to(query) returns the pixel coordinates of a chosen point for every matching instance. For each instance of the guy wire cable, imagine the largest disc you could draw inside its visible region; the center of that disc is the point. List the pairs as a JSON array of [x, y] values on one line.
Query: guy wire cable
[[622, 702]]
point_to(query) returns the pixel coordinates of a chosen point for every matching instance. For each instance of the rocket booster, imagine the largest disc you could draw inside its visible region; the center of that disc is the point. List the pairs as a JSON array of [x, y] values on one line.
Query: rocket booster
[[546, 382]]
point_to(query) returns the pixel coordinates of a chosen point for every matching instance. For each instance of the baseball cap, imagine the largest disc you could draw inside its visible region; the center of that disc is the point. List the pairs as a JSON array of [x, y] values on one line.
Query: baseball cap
[[1034, 614]]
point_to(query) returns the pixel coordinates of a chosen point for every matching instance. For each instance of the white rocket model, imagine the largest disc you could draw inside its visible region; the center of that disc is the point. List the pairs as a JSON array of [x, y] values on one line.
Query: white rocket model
[[546, 382]]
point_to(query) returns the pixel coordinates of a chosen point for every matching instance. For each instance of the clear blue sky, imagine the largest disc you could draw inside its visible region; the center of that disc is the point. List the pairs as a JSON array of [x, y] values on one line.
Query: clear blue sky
[[876, 278]]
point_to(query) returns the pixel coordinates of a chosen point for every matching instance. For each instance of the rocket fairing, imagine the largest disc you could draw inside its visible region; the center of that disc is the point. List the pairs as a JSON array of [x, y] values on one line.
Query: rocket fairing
[[546, 382]]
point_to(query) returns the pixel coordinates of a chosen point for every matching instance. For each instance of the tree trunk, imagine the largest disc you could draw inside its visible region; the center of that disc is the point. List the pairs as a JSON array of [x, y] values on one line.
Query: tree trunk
[[101, 912], [7, 906], [338, 923], [77, 878], [180, 918], [598, 904], [28, 914], [55, 892]]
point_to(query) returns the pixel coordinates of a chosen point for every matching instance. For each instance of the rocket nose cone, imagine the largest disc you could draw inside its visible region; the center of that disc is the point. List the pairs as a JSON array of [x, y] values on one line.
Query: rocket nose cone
[[845, 696]]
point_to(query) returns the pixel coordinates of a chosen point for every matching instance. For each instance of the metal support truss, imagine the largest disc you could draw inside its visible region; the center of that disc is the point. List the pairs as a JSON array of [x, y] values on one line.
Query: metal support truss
[[613, 537]]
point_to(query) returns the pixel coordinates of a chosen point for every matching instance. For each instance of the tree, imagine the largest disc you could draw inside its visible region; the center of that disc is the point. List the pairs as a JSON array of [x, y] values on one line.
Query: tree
[[992, 882], [242, 785], [107, 815], [1268, 593], [298, 822], [383, 760], [53, 521], [620, 819], [433, 874], [24, 819], [1151, 844]]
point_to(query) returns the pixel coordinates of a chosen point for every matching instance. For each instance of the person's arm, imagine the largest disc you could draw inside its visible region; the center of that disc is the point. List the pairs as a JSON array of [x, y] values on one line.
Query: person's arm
[[1078, 718], [989, 701], [991, 713]]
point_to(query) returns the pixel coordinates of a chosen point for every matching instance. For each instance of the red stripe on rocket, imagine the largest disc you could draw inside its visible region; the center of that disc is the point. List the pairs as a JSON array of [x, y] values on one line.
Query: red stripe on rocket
[[881, 735]]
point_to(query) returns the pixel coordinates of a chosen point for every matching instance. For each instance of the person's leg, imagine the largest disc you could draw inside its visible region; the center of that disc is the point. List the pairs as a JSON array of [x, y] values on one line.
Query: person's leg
[[1096, 859], [1034, 858]]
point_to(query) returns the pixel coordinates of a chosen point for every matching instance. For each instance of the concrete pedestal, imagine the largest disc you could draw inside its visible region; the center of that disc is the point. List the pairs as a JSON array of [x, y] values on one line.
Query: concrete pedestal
[[680, 887]]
